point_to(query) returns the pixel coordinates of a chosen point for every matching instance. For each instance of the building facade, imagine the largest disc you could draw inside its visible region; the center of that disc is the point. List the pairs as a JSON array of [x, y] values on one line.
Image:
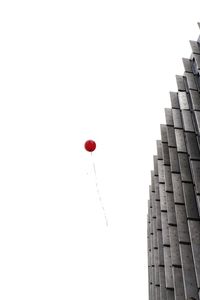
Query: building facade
[[174, 193]]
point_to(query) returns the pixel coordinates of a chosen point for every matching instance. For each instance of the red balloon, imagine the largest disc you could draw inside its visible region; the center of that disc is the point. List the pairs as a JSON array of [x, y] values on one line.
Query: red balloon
[[90, 145]]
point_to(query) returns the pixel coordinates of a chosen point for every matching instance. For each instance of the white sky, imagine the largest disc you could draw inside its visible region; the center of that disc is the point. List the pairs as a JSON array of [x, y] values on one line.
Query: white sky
[[71, 71]]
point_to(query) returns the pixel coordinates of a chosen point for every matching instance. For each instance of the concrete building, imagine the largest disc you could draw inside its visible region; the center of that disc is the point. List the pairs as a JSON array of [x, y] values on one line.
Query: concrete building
[[174, 193]]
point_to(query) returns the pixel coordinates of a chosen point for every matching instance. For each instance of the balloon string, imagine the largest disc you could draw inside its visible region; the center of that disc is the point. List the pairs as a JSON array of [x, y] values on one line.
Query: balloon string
[[98, 193]]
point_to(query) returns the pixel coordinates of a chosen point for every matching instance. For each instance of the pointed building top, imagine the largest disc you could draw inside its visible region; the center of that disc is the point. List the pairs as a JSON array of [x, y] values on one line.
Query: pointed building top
[[195, 47]]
